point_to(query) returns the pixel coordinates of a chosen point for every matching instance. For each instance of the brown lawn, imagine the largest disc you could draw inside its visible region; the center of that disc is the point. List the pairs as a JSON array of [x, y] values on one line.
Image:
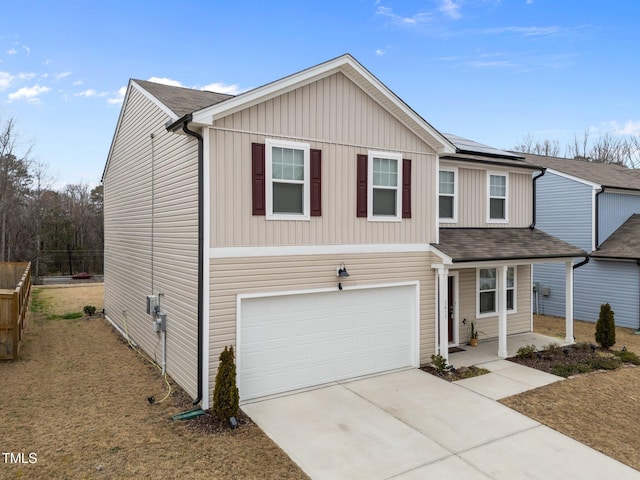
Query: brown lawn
[[77, 399], [599, 409]]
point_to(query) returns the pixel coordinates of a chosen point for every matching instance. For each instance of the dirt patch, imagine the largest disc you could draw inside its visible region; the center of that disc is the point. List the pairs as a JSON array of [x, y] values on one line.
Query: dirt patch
[[454, 374], [599, 409], [77, 399]]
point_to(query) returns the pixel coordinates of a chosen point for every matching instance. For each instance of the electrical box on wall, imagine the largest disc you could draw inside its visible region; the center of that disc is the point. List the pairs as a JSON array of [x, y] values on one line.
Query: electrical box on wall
[[546, 291], [160, 324], [152, 304]]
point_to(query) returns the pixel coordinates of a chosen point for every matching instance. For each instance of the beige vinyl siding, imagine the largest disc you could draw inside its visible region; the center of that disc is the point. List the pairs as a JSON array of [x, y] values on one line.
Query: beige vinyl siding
[[337, 117], [472, 197], [232, 276], [129, 263], [518, 322]]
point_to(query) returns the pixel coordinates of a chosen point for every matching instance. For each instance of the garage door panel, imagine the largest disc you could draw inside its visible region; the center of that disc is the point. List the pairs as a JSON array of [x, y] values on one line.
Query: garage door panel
[[295, 341]]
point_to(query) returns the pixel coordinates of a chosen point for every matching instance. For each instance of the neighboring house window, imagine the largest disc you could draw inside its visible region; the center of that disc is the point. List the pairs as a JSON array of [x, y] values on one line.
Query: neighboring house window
[[286, 180], [497, 187], [488, 291], [447, 196], [383, 191]]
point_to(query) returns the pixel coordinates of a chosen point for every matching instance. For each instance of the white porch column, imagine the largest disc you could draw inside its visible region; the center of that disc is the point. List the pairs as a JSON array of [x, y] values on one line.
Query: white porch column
[[568, 286], [502, 311], [443, 311]]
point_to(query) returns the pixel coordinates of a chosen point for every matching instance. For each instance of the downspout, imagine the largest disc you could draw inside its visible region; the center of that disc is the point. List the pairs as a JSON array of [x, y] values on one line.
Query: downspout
[[597, 218], [584, 262], [173, 127], [535, 179]]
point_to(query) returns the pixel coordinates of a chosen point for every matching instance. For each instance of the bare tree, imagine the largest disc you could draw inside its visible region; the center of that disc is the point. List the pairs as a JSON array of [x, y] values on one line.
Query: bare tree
[[547, 148]]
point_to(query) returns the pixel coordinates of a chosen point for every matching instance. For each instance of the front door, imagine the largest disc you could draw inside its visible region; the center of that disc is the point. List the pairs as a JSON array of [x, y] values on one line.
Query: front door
[[450, 301]]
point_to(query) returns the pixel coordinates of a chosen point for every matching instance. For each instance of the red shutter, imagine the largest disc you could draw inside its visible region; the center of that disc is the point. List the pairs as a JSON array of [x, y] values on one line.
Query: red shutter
[[406, 188], [315, 167], [361, 189], [258, 178]]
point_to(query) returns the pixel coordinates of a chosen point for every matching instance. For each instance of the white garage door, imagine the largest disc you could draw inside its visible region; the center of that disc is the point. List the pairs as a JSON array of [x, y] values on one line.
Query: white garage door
[[295, 341]]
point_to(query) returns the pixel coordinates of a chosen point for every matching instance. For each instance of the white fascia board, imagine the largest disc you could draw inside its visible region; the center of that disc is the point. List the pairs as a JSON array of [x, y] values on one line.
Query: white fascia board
[[349, 67], [575, 179], [508, 263], [446, 259]]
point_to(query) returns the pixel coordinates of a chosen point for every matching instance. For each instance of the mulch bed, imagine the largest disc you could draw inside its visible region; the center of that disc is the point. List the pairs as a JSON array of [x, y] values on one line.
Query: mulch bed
[[454, 374]]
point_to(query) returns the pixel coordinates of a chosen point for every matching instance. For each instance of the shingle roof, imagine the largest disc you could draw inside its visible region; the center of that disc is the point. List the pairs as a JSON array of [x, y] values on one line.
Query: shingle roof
[[624, 242], [182, 100], [483, 244], [606, 174]]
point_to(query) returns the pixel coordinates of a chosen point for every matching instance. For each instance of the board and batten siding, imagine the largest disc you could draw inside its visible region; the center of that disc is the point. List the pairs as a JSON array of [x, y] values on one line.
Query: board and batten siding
[[518, 322], [338, 118], [472, 196], [615, 209], [615, 282], [145, 255], [230, 277]]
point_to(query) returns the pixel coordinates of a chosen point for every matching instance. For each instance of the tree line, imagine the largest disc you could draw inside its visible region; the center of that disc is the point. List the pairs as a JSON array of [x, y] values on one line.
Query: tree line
[[59, 231], [607, 148]]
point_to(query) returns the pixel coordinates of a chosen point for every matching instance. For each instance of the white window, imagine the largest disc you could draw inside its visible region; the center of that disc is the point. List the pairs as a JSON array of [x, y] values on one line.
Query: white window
[[497, 208], [488, 291], [287, 182], [447, 190], [385, 192]]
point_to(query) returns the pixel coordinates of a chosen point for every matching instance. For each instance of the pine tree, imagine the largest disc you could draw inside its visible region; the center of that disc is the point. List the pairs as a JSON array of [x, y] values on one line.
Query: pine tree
[[606, 327], [225, 393]]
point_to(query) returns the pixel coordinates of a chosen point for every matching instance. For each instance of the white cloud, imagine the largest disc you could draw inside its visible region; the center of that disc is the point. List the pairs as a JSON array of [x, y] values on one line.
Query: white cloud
[[12, 51], [30, 94], [77, 82], [219, 87], [166, 81], [119, 98], [87, 93], [5, 80], [26, 49], [630, 127], [450, 9], [526, 31], [380, 52], [418, 18], [60, 75]]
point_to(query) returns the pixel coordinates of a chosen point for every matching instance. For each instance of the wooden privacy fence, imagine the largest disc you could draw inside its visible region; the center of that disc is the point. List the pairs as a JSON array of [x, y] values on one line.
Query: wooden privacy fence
[[15, 288]]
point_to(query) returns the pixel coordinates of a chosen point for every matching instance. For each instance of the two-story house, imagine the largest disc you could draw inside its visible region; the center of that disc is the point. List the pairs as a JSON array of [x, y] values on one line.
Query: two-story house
[[593, 206], [318, 224]]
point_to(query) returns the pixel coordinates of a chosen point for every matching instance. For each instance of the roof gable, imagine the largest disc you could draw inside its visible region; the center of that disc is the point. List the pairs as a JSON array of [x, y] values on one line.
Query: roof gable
[[353, 70], [602, 174], [624, 242]]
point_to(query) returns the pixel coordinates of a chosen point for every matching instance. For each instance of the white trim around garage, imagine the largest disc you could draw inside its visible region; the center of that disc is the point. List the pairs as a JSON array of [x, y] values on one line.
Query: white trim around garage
[[414, 354]]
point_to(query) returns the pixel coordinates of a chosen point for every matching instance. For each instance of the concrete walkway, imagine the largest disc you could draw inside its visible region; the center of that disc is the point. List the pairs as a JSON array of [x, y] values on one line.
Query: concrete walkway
[[412, 425]]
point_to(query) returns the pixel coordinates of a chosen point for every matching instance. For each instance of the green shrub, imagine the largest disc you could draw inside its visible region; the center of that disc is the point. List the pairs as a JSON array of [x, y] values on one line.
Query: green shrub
[[225, 393], [571, 369], [628, 357], [89, 310], [528, 351], [553, 348], [606, 327], [604, 363], [439, 362]]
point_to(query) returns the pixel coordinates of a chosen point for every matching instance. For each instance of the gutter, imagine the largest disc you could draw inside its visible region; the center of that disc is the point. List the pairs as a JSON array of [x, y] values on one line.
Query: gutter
[[584, 262], [183, 123], [637, 332], [535, 179]]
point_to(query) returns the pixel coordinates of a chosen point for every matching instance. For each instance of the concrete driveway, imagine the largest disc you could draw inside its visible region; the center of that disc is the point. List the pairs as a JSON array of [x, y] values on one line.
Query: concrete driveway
[[412, 425]]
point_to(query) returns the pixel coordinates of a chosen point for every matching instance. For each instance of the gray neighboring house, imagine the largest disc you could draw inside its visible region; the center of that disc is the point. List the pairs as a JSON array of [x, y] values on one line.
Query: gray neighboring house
[[593, 206]]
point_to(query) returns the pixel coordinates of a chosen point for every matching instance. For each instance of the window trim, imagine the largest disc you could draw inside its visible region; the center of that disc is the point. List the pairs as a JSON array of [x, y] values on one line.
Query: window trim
[[453, 219], [498, 280], [269, 181], [506, 197], [370, 187]]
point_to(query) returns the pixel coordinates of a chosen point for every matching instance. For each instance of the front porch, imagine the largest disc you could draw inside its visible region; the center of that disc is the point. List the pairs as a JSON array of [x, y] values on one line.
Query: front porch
[[486, 351]]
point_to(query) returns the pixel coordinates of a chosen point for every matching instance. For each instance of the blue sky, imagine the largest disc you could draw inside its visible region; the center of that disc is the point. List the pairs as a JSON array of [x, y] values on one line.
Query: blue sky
[[490, 70]]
